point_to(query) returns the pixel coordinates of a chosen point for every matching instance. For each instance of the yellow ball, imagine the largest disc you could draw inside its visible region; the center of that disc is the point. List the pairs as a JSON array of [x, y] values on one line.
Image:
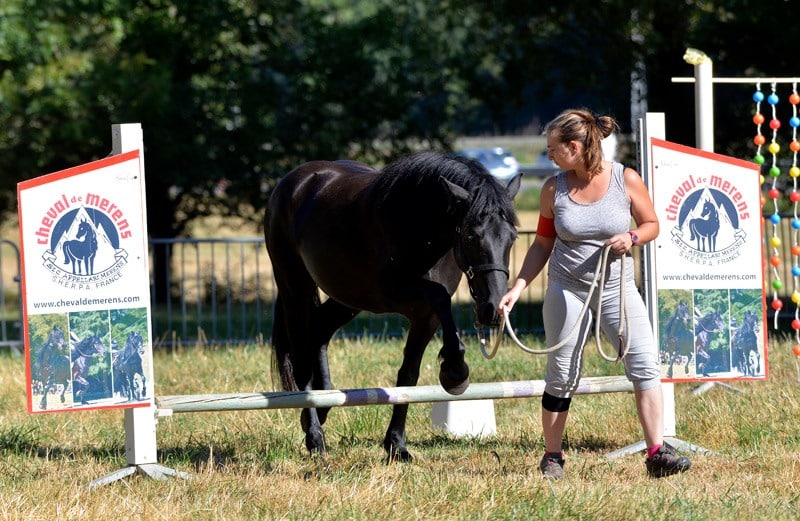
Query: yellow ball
[[796, 297], [775, 241], [794, 171], [774, 148]]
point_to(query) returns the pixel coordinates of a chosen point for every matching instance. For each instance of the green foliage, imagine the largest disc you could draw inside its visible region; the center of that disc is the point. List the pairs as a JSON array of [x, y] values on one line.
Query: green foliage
[[233, 94]]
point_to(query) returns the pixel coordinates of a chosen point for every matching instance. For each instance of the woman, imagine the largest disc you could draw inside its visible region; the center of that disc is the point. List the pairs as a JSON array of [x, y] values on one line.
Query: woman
[[585, 208]]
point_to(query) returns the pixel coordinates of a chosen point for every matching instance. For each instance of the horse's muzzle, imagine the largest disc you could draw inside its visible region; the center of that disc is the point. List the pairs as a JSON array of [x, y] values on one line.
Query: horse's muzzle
[[487, 315]]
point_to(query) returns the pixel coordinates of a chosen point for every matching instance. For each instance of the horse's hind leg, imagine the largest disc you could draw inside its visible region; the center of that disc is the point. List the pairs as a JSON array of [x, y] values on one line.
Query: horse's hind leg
[[294, 341], [329, 317]]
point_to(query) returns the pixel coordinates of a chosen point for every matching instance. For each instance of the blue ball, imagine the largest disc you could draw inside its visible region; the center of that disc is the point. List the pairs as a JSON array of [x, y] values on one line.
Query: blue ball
[[773, 99], [794, 121], [775, 218], [758, 96], [795, 224]]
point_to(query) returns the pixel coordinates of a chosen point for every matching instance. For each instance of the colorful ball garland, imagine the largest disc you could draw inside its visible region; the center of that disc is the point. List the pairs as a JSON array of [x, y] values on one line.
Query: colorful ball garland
[[774, 193]]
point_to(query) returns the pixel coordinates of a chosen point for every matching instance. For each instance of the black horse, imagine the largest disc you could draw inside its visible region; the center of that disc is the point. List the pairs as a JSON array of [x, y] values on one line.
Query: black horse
[[744, 346], [81, 354], [129, 377], [704, 328], [53, 365], [396, 241], [83, 249], [677, 339]]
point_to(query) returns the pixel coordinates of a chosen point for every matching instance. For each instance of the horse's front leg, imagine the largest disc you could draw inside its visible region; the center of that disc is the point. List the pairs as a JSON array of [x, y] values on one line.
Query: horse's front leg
[[420, 333], [453, 371], [45, 390]]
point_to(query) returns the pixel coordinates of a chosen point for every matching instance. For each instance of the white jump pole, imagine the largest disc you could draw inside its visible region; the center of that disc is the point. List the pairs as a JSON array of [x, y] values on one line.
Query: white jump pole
[[376, 396]]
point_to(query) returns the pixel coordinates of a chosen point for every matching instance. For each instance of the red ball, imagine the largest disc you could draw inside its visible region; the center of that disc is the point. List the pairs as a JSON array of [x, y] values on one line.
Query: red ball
[[776, 304], [774, 193], [795, 324], [796, 350], [794, 196], [774, 124]]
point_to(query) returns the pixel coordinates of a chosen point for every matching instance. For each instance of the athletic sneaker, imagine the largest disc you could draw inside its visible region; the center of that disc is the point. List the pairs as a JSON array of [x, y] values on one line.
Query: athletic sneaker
[[666, 462], [552, 465]]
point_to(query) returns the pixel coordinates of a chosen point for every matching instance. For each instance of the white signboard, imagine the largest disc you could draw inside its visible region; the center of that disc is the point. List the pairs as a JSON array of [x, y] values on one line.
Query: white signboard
[[86, 287], [709, 265]]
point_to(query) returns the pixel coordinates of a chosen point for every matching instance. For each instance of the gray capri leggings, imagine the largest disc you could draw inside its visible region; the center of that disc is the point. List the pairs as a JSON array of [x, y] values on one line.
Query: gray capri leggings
[[562, 307]]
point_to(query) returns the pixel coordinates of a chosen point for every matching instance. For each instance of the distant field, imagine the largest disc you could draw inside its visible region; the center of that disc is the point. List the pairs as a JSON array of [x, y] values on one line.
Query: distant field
[[524, 148]]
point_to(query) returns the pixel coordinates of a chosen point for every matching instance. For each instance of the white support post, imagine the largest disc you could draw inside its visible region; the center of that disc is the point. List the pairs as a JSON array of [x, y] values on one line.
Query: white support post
[[653, 126], [703, 98], [140, 422]]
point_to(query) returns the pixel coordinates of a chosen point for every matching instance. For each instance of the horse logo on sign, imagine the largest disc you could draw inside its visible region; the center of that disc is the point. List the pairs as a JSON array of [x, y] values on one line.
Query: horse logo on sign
[[707, 227], [84, 245]]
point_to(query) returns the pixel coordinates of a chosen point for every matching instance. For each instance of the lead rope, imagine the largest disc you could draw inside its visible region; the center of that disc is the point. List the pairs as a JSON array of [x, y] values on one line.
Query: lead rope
[[599, 275]]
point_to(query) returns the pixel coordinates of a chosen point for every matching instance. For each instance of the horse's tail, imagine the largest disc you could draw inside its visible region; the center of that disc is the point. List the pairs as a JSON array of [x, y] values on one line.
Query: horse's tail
[[281, 361]]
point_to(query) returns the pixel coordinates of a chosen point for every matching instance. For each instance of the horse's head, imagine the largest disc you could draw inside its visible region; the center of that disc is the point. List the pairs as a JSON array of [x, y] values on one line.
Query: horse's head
[[483, 245], [83, 229], [93, 346], [56, 338], [682, 313], [135, 342], [712, 322]]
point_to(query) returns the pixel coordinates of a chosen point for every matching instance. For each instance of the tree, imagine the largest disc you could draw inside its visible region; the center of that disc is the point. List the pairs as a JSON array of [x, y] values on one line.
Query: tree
[[234, 93]]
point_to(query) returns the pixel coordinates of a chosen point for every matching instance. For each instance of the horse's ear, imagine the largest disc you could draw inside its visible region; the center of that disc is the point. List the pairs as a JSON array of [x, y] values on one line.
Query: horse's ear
[[514, 185], [459, 194]]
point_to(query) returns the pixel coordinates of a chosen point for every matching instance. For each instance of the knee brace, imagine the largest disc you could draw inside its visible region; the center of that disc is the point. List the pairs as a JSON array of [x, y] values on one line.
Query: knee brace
[[554, 404]]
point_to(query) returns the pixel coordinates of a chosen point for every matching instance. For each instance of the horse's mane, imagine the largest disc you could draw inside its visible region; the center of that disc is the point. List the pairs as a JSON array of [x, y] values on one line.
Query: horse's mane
[[419, 171]]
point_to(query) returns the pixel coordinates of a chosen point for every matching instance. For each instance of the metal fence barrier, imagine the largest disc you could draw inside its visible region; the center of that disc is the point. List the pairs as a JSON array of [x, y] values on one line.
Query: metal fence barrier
[[10, 297], [221, 291], [214, 291]]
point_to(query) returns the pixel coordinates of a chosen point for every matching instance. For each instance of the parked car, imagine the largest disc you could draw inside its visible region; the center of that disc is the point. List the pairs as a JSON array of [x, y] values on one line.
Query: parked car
[[498, 161]]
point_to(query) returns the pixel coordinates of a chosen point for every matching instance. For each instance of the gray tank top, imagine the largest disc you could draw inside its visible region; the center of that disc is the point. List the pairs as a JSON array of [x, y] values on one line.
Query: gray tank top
[[582, 229]]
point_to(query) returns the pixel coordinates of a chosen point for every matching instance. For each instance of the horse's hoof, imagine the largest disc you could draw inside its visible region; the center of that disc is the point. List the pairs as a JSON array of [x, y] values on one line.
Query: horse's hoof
[[454, 381], [402, 455], [397, 452], [454, 388], [315, 441]]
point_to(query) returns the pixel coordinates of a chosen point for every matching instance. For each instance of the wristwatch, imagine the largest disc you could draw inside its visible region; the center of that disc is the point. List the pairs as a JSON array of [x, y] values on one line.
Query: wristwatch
[[634, 238]]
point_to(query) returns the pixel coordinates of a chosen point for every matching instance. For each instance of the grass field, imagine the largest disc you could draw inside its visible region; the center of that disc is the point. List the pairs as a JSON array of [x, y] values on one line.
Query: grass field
[[253, 464]]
